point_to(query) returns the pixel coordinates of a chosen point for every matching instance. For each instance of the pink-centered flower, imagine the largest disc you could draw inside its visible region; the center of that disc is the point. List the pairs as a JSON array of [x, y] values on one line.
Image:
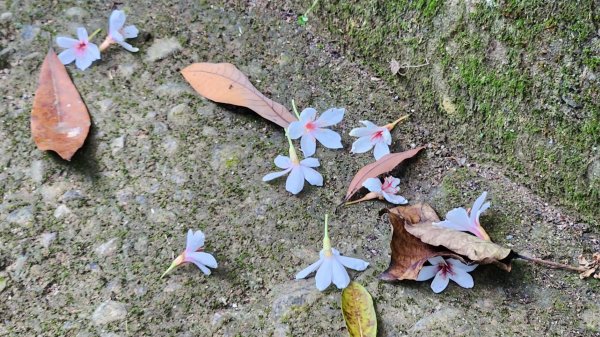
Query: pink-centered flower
[[310, 129], [331, 266], [299, 171], [442, 271], [80, 50], [387, 190], [372, 136], [117, 33], [461, 220], [194, 253]]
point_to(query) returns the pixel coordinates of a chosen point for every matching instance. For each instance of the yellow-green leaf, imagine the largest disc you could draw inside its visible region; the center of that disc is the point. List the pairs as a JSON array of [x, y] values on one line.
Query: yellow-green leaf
[[359, 314]]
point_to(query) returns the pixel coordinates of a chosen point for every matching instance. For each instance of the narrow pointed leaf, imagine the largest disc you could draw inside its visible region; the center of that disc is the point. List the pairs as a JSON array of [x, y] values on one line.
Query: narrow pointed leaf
[[224, 83], [383, 165], [59, 119], [358, 311]]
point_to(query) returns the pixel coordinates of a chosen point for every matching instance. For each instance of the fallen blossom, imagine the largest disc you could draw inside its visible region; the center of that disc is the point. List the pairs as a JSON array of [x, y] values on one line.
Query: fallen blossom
[[310, 129], [388, 190], [442, 271], [331, 266], [371, 136], [117, 33], [299, 170], [461, 220], [194, 253], [80, 50]]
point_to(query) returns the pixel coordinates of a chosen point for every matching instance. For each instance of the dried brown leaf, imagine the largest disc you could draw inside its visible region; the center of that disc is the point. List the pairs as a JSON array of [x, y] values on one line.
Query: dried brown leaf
[[383, 165], [477, 250], [59, 119], [224, 83], [590, 267], [408, 252], [394, 66]]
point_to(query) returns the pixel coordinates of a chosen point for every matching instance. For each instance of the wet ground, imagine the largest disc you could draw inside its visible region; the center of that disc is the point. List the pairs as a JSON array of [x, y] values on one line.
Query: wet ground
[[83, 244]]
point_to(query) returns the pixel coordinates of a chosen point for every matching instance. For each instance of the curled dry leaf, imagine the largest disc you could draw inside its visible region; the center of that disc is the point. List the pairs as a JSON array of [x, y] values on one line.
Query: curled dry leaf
[[590, 267], [408, 252], [358, 311], [477, 250], [224, 83], [59, 119], [394, 66], [383, 165]]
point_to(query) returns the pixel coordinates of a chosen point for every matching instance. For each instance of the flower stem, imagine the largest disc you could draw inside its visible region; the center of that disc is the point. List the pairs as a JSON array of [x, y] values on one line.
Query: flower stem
[[292, 150], [551, 264], [326, 241], [94, 33], [368, 196], [295, 109], [391, 125]]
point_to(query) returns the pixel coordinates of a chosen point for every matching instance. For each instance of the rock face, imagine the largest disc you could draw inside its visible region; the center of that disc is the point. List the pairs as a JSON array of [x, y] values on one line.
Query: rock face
[[109, 311]]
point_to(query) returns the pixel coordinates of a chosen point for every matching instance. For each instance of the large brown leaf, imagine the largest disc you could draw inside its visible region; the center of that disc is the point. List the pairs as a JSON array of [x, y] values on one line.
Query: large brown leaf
[[224, 83], [59, 119], [383, 165], [408, 252], [477, 250]]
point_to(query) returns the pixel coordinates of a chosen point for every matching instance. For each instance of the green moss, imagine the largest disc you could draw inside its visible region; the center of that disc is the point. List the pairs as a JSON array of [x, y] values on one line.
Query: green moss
[[507, 69]]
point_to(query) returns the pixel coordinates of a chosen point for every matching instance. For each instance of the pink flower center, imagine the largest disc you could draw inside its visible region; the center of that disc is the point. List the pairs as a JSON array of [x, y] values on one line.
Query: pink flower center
[[387, 187], [310, 126], [378, 135], [81, 46], [446, 269]]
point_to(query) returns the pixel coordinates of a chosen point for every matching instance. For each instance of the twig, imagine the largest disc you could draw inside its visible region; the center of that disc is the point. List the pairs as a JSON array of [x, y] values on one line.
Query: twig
[[551, 264]]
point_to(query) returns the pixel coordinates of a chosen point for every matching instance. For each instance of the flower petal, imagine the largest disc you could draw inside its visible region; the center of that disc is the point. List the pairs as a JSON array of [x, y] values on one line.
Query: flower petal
[[274, 175], [353, 263], [427, 272], [313, 177], [462, 278], [306, 271], [392, 181], [130, 32], [283, 162], [394, 198], [361, 132], [458, 264], [436, 260], [67, 56], [310, 162], [194, 241], [128, 47], [324, 274], [202, 258], [373, 185], [330, 139], [369, 124], [440, 282], [387, 136], [308, 144], [307, 115], [340, 276], [362, 145], [66, 42], [459, 218], [477, 206], [331, 117], [381, 149], [82, 34], [295, 181], [84, 61], [296, 129], [93, 51], [116, 20]]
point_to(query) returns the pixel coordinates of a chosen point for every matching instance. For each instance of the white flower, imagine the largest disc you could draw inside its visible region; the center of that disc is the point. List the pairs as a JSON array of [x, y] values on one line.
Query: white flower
[[81, 51], [388, 190], [443, 271], [461, 220], [194, 253], [372, 136], [298, 170], [117, 33], [312, 130], [331, 266]]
